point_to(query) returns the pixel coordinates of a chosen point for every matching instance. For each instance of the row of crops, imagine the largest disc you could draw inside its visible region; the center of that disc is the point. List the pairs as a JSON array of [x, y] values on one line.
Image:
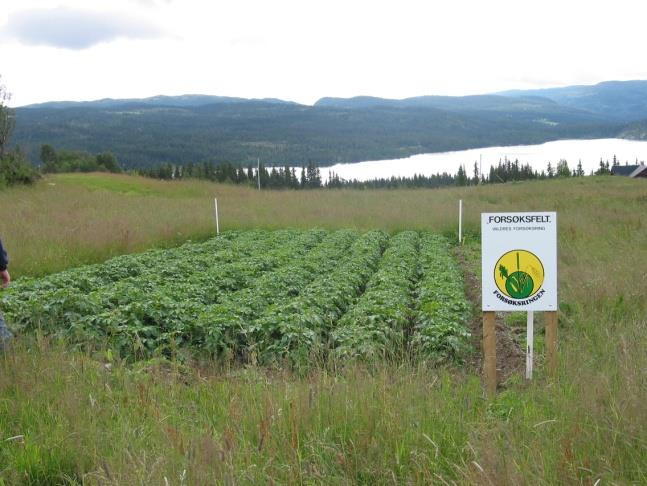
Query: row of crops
[[269, 297]]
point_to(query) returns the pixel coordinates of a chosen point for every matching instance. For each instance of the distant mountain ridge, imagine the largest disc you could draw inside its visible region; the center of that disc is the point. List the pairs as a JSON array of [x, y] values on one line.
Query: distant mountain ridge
[[195, 128], [474, 102], [620, 100], [187, 100]]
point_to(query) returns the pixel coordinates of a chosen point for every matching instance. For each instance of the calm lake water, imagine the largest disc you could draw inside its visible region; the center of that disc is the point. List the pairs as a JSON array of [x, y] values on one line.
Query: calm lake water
[[538, 156]]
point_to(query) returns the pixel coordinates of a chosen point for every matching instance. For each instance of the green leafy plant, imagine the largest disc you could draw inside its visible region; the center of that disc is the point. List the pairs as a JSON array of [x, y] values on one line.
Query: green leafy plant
[[273, 297]]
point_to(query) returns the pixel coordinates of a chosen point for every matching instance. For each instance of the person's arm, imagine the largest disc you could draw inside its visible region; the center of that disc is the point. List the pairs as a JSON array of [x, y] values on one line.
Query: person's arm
[[5, 278]]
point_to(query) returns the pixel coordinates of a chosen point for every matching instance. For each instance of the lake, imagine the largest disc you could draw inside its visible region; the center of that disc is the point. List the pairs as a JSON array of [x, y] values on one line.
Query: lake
[[538, 156]]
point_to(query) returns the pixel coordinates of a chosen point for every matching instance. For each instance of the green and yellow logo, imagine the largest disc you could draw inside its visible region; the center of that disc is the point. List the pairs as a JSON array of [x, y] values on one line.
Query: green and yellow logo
[[519, 274]]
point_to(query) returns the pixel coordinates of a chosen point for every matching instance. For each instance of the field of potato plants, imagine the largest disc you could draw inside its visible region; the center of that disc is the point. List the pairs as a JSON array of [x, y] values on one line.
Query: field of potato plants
[[293, 297]]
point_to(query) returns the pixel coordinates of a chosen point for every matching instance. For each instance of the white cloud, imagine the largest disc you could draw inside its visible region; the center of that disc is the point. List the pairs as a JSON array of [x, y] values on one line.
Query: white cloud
[[75, 29]]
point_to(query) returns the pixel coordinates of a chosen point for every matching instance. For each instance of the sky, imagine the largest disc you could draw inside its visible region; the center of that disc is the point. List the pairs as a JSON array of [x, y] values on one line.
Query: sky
[[304, 50]]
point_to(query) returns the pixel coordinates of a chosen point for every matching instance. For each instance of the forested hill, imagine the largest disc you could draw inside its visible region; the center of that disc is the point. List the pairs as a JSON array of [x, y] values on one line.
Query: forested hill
[[618, 100], [194, 128]]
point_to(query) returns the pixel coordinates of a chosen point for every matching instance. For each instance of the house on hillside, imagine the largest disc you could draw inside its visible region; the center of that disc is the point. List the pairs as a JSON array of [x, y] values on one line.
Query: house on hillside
[[630, 170]]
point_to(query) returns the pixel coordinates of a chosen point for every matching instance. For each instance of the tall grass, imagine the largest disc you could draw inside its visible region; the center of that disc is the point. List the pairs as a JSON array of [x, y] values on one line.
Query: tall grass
[[72, 219], [67, 416]]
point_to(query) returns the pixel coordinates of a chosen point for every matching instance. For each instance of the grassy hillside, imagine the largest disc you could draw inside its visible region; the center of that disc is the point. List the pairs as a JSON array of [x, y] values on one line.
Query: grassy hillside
[[91, 419]]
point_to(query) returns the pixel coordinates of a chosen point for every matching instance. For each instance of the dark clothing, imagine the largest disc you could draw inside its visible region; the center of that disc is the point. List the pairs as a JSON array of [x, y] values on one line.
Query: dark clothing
[[4, 259], [5, 334]]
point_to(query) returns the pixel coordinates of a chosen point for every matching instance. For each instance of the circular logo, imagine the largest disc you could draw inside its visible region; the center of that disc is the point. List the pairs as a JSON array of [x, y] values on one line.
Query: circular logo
[[519, 274]]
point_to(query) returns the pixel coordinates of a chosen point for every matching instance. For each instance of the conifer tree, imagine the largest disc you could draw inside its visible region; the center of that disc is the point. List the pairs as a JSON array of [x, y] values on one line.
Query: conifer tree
[[580, 170]]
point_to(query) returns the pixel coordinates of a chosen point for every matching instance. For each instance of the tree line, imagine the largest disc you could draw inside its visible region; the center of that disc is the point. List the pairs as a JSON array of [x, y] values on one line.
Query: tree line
[[14, 166], [309, 176], [54, 161]]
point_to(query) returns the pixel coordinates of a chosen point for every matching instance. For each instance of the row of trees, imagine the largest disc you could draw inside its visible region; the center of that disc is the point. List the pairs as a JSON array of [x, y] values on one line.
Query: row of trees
[[273, 178], [76, 161], [605, 169], [309, 176], [14, 166]]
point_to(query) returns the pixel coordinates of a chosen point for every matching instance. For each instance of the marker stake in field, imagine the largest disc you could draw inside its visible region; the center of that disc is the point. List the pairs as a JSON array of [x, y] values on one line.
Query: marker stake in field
[[480, 168], [551, 342], [529, 344], [460, 221], [215, 202]]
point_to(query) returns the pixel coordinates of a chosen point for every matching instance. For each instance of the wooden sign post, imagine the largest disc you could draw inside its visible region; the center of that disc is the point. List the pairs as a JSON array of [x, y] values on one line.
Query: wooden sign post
[[489, 352], [519, 273]]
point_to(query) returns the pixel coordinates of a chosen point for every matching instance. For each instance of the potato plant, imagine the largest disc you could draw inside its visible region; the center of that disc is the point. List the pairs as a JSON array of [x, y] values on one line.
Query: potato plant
[[442, 310], [291, 297], [377, 324], [298, 329]]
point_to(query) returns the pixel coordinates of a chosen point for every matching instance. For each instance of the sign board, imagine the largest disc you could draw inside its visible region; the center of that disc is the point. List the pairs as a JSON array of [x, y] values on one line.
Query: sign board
[[519, 261]]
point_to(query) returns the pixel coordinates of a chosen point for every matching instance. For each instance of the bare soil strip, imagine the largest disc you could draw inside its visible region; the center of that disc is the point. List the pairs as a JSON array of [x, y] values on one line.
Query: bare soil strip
[[510, 358]]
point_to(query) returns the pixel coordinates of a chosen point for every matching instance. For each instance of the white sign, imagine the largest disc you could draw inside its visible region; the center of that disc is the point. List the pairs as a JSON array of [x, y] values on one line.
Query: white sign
[[519, 261]]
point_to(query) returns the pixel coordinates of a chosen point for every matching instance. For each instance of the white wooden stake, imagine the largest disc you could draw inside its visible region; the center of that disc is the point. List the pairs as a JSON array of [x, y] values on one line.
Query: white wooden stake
[[460, 221], [529, 347], [215, 202]]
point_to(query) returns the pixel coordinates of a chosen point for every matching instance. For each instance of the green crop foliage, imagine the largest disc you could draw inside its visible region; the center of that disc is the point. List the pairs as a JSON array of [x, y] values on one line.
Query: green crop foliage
[[286, 297], [443, 311], [376, 325]]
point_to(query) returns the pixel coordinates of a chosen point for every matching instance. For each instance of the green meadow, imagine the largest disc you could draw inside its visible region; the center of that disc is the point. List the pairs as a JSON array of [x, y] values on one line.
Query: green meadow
[[74, 417]]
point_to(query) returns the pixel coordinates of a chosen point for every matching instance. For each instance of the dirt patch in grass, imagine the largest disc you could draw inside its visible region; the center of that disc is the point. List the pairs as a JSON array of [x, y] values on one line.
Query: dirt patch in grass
[[510, 357]]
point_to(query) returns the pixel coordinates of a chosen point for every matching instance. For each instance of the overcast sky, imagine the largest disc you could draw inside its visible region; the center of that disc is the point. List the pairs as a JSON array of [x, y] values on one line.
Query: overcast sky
[[303, 50]]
